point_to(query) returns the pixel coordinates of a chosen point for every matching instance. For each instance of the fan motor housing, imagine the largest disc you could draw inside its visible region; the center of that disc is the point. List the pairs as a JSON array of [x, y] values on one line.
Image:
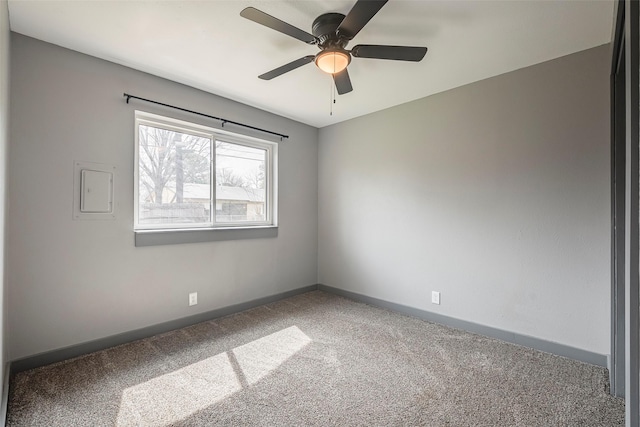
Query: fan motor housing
[[324, 28]]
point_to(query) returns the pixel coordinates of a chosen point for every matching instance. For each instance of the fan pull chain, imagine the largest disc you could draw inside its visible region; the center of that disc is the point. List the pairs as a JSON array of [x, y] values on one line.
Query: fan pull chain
[[332, 99], [333, 89]]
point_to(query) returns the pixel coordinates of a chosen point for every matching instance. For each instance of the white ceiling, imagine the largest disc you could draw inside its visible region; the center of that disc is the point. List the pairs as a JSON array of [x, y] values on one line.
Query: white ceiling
[[207, 45]]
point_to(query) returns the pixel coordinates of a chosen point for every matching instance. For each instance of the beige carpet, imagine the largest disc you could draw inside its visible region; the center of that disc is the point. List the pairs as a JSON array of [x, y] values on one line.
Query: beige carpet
[[315, 360]]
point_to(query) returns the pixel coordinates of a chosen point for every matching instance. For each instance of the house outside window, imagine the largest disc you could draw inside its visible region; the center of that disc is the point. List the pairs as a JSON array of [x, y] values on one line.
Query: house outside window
[[190, 176]]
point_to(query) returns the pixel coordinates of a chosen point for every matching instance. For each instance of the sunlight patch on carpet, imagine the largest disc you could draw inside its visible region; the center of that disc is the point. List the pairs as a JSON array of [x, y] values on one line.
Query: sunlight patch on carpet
[[179, 394], [262, 356]]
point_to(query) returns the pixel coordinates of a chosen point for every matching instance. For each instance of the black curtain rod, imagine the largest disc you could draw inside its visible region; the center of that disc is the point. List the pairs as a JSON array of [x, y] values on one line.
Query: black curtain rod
[[206, 115]]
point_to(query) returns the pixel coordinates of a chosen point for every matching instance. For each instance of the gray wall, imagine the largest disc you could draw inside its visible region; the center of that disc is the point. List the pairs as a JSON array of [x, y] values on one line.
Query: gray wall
[[75, 281], [4, 142], [496, 194]]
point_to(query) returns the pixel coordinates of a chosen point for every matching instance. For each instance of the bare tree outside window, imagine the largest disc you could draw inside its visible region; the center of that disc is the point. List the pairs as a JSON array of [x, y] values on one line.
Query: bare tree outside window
[[169, 161]]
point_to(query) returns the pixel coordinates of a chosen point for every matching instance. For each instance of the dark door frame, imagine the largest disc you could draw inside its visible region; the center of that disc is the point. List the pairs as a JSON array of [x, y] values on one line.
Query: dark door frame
[[632, 193], [626, 46], [618, 167]]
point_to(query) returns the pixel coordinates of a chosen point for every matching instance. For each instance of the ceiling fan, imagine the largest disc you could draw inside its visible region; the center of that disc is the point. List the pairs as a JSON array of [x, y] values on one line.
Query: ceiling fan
[[331, 33]]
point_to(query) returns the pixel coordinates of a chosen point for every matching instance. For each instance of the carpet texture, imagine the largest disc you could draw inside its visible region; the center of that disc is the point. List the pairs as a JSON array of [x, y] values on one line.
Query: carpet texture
[[315, 360]]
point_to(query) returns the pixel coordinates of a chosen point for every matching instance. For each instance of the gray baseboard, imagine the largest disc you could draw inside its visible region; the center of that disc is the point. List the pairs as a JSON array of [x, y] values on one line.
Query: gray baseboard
[[126, 337], [123, 338], [511, 337]]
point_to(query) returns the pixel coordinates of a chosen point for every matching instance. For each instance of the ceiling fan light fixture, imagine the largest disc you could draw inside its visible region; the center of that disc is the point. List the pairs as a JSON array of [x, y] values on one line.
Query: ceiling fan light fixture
[[333, 61]]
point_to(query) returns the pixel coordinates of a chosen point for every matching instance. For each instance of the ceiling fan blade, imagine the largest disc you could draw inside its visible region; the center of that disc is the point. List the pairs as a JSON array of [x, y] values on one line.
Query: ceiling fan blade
[[343, 82], [358, 16], [287, 67], [397, 53], [262, 18]]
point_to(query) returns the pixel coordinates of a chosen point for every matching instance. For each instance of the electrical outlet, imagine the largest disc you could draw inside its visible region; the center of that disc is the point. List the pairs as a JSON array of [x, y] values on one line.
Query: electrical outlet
[[435, 297], [193, 298]]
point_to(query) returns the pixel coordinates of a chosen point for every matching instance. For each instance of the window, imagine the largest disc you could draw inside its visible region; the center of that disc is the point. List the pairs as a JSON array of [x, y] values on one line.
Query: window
[[190, 176]]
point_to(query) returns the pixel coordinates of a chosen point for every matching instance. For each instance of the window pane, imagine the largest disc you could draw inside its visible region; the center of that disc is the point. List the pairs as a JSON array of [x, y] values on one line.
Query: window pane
[[174, 184], [240, 183]]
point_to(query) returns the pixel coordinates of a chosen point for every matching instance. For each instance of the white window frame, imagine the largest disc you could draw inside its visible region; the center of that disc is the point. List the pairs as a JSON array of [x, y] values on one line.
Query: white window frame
[[271, 164]]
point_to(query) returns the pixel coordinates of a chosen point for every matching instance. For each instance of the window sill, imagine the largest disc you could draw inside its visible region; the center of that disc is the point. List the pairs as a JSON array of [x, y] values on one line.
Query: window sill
[[200, 235]]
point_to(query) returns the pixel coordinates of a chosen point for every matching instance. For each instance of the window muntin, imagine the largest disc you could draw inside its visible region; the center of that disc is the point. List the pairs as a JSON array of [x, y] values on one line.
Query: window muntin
[[176, 186]]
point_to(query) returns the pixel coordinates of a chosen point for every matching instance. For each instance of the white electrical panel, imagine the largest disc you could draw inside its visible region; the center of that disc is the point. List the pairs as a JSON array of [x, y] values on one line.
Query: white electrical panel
[[93, 191], [96, 194]]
